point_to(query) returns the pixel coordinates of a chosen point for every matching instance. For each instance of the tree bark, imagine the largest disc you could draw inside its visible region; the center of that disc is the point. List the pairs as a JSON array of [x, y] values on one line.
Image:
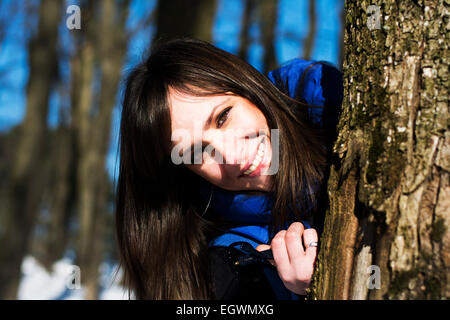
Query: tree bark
[[388, 188], [26, 175]]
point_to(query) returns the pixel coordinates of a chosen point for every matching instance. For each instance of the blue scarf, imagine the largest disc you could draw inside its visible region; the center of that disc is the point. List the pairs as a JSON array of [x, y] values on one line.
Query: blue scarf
[[251, 212]]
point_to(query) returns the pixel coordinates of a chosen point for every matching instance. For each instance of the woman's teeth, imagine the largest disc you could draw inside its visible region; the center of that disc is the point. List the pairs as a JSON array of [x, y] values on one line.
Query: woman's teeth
[[257, 161]]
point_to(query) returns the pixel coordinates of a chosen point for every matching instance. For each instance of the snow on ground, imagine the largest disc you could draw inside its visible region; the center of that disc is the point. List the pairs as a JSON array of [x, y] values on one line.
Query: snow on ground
[[62, 283]]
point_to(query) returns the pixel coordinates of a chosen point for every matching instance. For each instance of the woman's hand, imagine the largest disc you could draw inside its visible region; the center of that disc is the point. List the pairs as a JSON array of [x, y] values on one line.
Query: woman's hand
[[294, 263]]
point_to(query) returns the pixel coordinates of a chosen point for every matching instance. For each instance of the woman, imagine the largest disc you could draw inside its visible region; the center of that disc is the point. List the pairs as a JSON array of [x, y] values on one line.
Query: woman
[[178, 222]]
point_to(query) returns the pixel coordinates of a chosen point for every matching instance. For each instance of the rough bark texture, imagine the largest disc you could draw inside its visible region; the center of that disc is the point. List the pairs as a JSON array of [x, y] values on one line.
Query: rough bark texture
[[25, 191], [389, 189]]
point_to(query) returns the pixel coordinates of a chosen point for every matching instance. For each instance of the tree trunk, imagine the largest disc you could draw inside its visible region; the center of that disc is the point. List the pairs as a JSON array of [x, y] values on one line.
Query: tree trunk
[[25, 190], [82, 99], [309, 41], [181, 18], [244, 37], [93, 126], [388, 189], [268, 11], [61, 195]]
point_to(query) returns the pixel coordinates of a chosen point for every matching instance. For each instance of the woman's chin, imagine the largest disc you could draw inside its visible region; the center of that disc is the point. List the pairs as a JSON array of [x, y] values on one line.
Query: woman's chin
[[246, 183], [260, 183]]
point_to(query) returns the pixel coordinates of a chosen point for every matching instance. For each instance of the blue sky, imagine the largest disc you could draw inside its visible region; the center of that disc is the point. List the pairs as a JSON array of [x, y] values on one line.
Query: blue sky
[[292, 27]]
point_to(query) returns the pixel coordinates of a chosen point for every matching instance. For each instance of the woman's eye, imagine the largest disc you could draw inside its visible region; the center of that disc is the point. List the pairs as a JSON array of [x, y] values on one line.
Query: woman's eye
[[223, 116]]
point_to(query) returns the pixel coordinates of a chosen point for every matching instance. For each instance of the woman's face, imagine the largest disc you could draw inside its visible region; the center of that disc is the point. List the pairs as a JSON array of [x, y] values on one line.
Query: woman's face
[[233, 134]]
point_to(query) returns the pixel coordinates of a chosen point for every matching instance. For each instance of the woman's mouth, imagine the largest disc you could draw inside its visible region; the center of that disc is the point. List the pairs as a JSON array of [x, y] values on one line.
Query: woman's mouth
[[255, 166]]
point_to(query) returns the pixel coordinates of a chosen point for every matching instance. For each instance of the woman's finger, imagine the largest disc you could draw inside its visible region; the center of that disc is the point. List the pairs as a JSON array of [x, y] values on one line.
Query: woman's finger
[[310, 237], [294, 241], [263, 247], [280, 253]]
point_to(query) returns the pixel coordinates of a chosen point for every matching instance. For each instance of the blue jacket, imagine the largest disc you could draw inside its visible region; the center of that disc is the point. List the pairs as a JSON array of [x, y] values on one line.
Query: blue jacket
[[318, 84]]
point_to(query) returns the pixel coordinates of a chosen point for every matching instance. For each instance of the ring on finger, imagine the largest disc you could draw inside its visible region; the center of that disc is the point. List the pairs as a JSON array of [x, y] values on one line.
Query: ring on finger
[[312, 244]]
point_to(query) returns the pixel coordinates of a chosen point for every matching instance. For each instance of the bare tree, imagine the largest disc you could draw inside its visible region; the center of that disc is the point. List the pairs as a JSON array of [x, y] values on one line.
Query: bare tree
[[312, 32], [244, 37], [102, 48], [60, 195], [268, 11], [24, 190]]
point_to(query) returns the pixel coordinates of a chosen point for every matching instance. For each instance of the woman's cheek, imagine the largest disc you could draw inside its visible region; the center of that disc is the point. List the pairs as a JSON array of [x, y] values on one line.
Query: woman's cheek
[[210, 172]]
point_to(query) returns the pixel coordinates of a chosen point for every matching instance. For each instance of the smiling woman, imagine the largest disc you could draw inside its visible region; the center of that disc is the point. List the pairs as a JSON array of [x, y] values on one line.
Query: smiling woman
[[178, 222], [239, 156]]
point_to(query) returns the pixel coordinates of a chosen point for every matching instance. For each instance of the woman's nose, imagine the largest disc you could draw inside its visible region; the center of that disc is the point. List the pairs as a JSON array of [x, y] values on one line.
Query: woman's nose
[[226, 148]]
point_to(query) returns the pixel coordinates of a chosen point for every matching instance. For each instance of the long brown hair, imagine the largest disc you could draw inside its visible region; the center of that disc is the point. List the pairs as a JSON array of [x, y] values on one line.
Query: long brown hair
[[160, 231]]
